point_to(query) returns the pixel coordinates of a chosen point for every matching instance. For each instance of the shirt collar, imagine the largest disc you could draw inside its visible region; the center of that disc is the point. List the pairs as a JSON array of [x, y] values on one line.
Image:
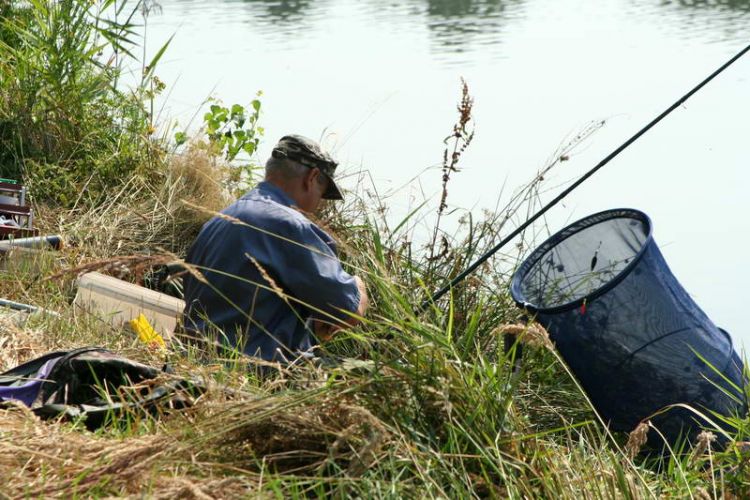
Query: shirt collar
[[275, 193]]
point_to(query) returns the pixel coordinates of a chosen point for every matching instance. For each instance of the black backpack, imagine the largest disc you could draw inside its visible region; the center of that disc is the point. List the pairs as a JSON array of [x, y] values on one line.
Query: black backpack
[[95, 385]]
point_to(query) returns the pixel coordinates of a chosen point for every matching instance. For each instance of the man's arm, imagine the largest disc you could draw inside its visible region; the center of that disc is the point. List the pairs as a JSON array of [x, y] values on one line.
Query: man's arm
[[325, 330], [307, 267]]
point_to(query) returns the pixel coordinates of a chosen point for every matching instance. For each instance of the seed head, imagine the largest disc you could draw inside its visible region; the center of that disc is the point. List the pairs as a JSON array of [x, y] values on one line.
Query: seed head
[[636, 439], [702, 444], [532, 334]]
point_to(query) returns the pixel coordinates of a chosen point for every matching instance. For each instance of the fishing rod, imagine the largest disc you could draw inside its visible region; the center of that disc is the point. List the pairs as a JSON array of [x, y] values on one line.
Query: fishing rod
[[577, 183]]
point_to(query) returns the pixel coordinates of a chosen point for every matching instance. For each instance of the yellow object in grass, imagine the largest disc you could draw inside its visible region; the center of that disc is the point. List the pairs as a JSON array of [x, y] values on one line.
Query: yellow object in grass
[[146, 332]]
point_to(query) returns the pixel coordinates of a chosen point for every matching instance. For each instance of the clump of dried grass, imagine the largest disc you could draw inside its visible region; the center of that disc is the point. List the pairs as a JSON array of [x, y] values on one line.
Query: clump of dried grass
[[17, 345], [143, 214], [207, 488], [218, 449], [299, 432], [50, 459], [200, 178]]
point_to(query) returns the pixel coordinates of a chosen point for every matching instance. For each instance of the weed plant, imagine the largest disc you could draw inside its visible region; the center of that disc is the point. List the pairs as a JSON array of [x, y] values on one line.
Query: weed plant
[[65, 127]]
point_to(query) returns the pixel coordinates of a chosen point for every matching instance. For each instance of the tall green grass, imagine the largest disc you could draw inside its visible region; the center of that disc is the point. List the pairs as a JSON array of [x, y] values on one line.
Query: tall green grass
[[65, 126]]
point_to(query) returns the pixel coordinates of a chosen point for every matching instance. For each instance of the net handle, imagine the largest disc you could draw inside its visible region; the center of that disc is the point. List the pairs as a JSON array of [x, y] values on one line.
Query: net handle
[[437, 295]]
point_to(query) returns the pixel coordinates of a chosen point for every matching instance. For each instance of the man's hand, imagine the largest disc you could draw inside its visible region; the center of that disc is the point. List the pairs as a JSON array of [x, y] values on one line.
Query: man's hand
[[364, 300], [323, 330]]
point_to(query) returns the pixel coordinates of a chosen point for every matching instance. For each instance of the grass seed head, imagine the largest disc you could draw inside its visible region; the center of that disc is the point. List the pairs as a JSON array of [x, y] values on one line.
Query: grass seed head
[[702, 444], [637, 439], [532, 334]]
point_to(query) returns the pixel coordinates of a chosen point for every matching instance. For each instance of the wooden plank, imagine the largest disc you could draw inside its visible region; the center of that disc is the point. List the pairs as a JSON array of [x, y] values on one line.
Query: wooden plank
[[13, 188], [118, 302], [15, 209]]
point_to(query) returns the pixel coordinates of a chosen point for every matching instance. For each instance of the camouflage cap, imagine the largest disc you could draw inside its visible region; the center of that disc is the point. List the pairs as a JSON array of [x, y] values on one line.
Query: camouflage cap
[[308, 153]]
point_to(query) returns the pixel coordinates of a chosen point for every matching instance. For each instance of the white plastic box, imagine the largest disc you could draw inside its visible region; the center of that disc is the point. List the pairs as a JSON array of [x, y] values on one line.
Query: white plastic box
[[117, 302]]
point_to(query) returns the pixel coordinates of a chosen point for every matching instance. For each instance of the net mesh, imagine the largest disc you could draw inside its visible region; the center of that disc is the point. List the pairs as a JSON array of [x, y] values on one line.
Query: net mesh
[[584, 262], [630, 333]]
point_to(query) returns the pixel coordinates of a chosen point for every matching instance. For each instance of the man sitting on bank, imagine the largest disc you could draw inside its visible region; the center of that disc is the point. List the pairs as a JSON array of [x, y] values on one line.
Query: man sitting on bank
[[274, 286]]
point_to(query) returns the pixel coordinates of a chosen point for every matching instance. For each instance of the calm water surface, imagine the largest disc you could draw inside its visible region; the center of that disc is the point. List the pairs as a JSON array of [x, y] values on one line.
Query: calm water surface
[[379, 80]]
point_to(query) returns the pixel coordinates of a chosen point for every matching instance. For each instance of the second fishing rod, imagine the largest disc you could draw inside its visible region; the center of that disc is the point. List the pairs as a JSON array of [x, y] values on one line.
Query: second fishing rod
[[437, 295]]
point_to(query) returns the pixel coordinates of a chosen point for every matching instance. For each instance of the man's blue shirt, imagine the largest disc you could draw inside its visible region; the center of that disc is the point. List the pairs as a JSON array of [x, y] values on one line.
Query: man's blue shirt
[[268, 269]]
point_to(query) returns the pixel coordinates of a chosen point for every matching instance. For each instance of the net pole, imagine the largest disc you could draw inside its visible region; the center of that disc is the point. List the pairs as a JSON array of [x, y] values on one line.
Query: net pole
[[437, 295]]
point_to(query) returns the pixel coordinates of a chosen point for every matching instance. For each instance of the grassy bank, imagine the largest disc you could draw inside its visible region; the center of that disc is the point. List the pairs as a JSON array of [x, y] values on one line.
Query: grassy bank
[[426, 405]]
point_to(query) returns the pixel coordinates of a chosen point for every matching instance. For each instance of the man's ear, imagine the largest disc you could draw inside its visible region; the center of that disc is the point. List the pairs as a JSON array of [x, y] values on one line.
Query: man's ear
[[311, 178]]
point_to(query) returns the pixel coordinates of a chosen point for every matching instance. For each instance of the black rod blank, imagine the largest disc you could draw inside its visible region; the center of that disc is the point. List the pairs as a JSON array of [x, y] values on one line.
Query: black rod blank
[[577, 183]]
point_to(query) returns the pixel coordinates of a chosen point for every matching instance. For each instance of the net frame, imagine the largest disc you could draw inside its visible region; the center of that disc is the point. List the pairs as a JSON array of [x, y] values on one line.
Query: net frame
[[516, 288]]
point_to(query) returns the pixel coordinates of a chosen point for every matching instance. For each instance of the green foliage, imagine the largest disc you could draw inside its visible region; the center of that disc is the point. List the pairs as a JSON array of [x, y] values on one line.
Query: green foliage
[[64, 126], [180, 138], [233, 134], [232, 131]]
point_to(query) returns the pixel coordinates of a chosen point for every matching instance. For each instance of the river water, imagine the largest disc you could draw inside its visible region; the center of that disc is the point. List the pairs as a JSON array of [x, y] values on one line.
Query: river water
[[378, 81]]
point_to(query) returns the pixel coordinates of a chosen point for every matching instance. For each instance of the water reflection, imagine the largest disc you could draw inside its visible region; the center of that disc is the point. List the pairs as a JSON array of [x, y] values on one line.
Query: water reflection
[[454, 27], [740, 5], [712, 20], [457, 24], [285, 12]]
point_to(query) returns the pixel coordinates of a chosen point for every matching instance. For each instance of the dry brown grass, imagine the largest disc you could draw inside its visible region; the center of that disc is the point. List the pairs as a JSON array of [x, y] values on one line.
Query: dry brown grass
[[46, 460], [143, 223], [219, 448], [17, 345], [202, 179], [143, 214]]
